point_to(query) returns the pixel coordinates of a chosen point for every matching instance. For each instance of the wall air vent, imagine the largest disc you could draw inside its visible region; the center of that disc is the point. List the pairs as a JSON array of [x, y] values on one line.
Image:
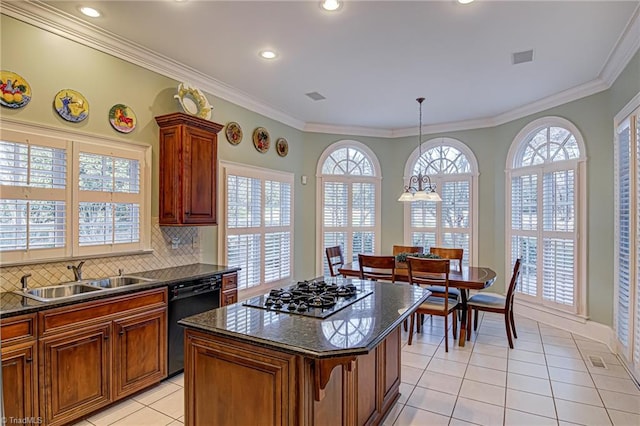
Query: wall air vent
[[315, 96], [522, 57]]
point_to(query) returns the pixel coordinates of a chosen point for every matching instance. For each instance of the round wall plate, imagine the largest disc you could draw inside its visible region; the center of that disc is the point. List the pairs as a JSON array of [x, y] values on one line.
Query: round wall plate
[[233, 132], [261, 139], [15, 92], [71, 105], [282, 147], [122, 118]]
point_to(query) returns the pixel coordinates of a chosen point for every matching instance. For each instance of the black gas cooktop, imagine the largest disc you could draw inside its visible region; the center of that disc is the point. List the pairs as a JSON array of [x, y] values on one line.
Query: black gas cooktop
[[314, 298]]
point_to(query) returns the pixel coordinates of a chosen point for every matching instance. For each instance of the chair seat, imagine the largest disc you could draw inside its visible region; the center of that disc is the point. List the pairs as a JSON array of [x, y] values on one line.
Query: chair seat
[[453, 292], [435, 303], [489, 300]]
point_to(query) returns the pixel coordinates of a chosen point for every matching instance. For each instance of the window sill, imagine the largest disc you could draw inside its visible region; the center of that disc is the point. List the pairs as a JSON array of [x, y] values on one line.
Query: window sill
[[75, 258]]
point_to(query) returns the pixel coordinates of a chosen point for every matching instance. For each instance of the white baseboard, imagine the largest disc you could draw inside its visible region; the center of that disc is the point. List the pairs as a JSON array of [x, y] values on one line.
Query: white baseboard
[[568, 322]]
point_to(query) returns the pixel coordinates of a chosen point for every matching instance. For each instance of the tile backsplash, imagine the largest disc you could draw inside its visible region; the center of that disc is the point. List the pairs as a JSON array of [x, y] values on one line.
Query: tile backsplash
[[172, 246]]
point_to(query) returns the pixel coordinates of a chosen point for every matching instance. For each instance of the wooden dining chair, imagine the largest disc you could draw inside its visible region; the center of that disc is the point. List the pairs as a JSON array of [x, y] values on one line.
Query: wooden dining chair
[[407, 249], [451, 254], [377, 267], [429, 272], [498, 303], [335, 259]]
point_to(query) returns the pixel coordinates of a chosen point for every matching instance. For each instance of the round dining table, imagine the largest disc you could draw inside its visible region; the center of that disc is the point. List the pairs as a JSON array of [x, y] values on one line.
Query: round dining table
[[466, 278]]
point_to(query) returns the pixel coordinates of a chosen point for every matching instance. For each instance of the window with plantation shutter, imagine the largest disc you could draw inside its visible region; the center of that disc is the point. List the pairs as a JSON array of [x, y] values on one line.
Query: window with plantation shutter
[[543, 211], [627, 235], [349, 192], [452, 167], [61, 197], [258, 224]]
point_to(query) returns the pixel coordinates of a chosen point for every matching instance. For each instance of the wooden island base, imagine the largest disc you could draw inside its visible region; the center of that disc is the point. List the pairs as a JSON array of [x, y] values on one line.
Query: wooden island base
[[228, 382]]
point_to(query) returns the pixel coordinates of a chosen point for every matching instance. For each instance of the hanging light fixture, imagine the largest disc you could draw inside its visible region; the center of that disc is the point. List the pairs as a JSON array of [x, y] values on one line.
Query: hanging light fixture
[[425, 190]]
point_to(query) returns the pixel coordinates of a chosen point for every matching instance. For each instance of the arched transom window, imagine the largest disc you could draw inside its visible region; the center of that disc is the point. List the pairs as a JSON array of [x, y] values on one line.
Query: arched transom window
[[545, 186], [349, 197], [451, 223]]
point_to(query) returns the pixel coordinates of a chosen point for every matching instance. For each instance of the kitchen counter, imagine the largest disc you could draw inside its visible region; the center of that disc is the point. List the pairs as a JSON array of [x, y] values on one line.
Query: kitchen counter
[[354, 330], [12, 304], [294, 369]]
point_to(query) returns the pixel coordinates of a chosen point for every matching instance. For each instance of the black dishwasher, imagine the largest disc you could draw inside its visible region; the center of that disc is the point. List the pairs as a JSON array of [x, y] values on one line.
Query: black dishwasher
[[188, 298]]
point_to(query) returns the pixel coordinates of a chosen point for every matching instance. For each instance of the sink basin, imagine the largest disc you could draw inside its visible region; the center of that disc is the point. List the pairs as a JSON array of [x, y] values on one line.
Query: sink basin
[[58, 292], [119, 281]]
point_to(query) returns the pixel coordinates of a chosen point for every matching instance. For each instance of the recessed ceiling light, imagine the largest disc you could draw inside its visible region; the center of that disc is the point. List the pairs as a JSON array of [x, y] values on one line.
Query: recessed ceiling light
[[268, 54], [90, 12], [331, 5], [465, 1]]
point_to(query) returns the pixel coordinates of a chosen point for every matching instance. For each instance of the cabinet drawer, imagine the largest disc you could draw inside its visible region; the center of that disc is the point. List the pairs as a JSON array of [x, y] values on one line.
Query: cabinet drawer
[[59, 319], [229, 281], [18, 328], [228, 297]]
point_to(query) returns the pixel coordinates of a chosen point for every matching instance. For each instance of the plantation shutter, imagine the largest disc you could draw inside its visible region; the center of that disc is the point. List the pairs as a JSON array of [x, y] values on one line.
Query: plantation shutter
[[623, 266], [524, 220], [558, 256], [259, 226], [33, 207], [636, 167]]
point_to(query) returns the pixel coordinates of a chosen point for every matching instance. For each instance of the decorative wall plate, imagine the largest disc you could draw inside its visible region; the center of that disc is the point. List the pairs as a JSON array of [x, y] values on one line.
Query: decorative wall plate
[[71, 105], [193, 101], [233, 133], [282, 147], [122, 118], [261, 139], [15, 92]]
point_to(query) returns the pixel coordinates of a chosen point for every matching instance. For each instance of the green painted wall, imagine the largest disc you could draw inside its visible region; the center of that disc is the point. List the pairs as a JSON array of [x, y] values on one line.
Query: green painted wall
[[51, 63]]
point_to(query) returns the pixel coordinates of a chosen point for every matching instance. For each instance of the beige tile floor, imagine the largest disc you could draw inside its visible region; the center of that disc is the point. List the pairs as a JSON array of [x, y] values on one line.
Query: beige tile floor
[[546, 379]]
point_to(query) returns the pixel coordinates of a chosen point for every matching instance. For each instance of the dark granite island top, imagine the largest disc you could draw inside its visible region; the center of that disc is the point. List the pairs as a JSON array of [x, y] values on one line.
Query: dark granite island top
[[354, 330], [292, 369]]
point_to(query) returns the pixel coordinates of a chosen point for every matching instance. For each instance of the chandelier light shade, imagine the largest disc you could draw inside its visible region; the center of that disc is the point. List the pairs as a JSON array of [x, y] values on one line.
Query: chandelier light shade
[[420, 187]]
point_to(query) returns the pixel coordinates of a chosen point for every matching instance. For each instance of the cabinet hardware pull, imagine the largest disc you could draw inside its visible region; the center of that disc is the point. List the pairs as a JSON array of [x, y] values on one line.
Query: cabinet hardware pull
[[28, 360], [106, 337], [122, 332]]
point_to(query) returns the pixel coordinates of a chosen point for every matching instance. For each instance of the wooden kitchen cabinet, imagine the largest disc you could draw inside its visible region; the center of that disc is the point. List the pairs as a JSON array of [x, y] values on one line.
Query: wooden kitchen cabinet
[[95, 353], [229, 293], [19, 366], [138, 362], [188, 170], [76, 372]]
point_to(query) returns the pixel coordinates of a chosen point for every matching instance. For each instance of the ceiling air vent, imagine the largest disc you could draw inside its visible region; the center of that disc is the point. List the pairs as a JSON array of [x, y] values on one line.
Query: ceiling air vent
[[315, 96], [521, 57]]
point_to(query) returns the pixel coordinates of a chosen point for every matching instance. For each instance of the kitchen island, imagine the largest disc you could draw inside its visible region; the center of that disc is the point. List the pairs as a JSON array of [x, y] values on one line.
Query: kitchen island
[[249, 365]]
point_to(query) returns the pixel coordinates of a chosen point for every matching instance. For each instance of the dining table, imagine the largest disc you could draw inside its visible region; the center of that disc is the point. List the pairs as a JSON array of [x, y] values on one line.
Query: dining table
[[465, 278]]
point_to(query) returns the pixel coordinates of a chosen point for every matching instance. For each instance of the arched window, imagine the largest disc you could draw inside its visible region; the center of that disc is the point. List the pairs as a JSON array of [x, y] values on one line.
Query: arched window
[[349, 198], [545, 210], [451, 165]]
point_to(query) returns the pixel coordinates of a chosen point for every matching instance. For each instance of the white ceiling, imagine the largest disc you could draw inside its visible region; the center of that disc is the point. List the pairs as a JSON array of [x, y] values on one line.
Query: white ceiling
[[372, 59]]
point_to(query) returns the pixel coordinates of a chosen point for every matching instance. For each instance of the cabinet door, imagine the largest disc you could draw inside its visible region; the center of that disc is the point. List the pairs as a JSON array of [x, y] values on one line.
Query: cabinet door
[[228, 297], [140, 351], [199, 176], [76, 369], [170, 174], [19, 380]]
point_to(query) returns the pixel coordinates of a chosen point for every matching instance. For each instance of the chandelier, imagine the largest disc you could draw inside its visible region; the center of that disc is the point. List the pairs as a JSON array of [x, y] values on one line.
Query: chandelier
[[425, 189]]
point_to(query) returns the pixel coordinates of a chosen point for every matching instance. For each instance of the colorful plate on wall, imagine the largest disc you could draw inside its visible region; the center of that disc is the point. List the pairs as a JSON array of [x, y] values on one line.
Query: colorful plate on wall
[[282, 147], [233, 133], [122, 118], [14, 89], [261, 139], [71, 105]]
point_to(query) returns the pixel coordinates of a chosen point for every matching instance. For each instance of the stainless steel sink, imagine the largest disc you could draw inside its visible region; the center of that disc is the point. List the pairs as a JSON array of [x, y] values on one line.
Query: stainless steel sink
[[119, 281], [58, 292]]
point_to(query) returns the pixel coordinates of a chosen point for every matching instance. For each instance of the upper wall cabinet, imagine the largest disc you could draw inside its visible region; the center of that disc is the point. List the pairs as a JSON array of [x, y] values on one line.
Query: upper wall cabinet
[[188, 170]]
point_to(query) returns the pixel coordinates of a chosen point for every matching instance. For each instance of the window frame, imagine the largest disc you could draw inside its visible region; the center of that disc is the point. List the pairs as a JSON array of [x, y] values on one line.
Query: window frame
[[15, 131], [321, 178], [471, 177], [237, 169], [578, 165]]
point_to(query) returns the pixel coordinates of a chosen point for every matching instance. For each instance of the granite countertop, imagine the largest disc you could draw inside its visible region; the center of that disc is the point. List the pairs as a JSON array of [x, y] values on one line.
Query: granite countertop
[[12, 304], [354, 330]]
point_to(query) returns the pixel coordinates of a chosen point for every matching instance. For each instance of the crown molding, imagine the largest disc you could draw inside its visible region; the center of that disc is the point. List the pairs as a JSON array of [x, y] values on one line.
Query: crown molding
[[626, 46], [65, 25]]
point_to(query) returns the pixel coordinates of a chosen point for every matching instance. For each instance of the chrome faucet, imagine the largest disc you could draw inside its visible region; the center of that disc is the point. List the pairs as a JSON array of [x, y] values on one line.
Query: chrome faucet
[[23, 281], [77, 270], [120, 272]]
